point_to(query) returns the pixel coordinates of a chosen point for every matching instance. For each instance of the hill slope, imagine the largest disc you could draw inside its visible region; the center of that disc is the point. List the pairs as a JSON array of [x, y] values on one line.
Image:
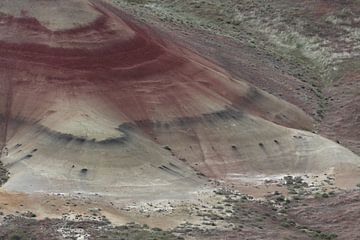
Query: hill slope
[[90, 102]]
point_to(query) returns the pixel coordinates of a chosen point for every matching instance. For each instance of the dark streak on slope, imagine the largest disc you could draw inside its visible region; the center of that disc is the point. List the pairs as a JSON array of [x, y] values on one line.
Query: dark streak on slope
[[65, 137], [5, 108], [188, 121], [169, 170]]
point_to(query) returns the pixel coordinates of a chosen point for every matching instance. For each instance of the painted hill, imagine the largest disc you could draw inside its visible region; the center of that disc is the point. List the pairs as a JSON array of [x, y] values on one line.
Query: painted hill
[[93, 101]]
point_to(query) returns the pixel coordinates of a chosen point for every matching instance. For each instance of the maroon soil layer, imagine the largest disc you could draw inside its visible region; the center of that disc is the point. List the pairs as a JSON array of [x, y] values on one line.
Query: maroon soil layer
[[123, 71]]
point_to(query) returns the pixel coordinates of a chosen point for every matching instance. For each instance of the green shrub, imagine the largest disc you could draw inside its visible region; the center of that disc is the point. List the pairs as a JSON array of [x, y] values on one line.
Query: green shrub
[[16, 237]]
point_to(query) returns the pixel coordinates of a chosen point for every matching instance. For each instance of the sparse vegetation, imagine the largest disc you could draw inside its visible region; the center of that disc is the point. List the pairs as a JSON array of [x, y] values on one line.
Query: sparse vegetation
[[18, 228], [16, 237], [4, 174], [318, 235]]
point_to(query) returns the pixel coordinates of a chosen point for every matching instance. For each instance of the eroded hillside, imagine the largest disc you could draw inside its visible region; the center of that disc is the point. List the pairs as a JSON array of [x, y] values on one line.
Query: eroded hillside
[[178, 119]]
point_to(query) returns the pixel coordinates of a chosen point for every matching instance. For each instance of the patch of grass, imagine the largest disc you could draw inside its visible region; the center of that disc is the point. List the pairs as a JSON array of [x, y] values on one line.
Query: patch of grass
[[16, 237], [318, 235]]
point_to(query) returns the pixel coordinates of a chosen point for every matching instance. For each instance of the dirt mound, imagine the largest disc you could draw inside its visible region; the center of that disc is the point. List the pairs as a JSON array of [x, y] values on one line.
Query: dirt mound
[[89, 105]]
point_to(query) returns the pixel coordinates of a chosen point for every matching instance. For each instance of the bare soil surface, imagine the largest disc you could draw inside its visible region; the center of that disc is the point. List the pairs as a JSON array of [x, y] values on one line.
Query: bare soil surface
[[231, 216]]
